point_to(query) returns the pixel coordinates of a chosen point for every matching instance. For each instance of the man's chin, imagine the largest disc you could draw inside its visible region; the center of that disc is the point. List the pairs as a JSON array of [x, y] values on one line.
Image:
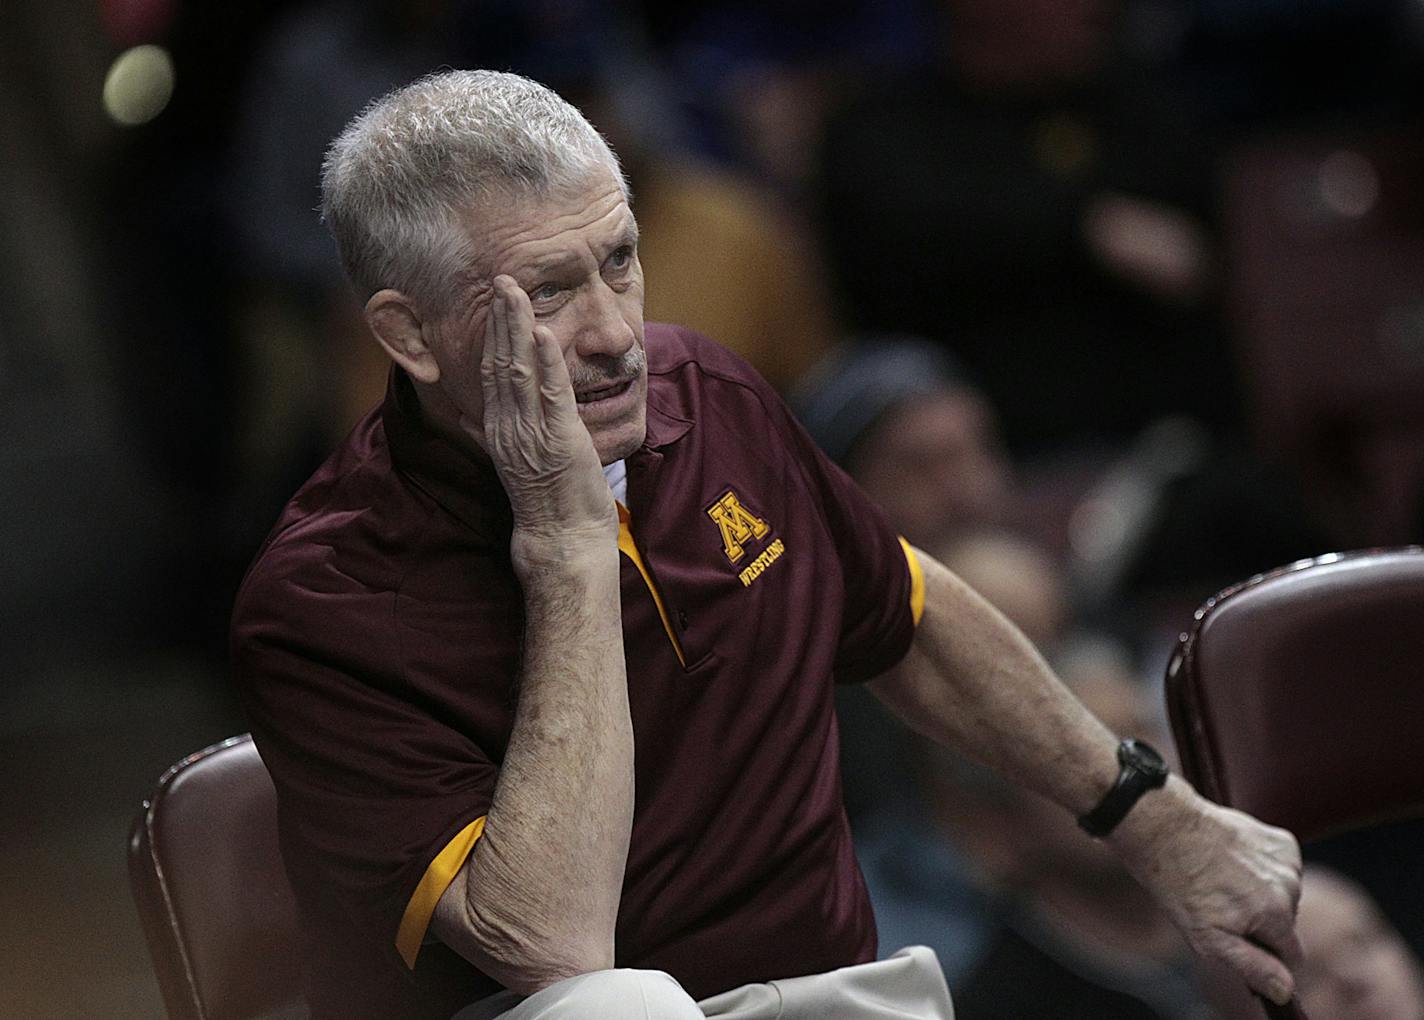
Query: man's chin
[[614, 444]]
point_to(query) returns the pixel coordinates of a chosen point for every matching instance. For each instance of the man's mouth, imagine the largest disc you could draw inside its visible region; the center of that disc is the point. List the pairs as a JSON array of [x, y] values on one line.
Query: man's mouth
[[602, 393]]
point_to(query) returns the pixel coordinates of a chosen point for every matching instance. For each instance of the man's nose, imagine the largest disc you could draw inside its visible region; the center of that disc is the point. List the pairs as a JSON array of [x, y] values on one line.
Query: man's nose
[[606, 329]]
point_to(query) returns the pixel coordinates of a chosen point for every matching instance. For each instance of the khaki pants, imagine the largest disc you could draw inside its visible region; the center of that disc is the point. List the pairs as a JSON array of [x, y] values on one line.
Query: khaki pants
[[907, 986]]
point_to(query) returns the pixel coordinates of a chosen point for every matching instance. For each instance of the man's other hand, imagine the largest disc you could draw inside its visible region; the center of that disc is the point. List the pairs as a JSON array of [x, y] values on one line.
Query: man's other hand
[[1230, 882]]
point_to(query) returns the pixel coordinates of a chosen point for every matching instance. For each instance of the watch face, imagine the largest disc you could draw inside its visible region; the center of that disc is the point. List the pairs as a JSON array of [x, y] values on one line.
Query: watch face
[[1142, 770], [1142, 756]]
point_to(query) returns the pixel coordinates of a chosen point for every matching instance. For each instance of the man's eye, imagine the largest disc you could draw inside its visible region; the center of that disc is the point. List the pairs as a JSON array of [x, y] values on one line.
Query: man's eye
[[544, 292], [621, 257]]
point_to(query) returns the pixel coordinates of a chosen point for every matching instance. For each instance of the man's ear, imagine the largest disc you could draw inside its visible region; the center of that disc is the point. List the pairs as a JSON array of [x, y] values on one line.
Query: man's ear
[[396, 324]]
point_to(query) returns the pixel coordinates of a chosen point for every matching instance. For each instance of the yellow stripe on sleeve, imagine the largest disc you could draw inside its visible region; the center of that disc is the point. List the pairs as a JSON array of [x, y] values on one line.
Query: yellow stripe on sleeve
[[628, 548], [437, 878], [917, 583]]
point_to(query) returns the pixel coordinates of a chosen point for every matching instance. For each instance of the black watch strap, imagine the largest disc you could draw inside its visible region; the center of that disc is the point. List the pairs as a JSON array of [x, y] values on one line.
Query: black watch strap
[[1142, 770]]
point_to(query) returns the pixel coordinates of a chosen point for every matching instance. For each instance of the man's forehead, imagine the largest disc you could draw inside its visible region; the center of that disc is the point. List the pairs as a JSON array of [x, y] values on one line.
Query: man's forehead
[[517, 216], [610, 230], [534, 234]]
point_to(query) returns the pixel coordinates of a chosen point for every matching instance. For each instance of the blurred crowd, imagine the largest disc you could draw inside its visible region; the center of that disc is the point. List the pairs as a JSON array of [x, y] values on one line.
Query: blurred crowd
[[1109, 303]]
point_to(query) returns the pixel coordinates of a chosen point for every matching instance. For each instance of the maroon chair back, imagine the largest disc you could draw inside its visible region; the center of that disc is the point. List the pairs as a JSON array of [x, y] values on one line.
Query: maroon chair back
[[216, 906], [1298, 696]]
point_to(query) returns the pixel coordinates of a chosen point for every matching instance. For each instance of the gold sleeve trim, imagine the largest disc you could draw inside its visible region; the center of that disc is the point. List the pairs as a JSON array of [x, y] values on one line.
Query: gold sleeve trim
[[917, 582], [437, 878]]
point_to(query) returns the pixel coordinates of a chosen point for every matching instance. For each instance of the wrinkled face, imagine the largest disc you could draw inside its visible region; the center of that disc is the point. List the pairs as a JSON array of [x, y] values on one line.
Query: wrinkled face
[[1356, 966], [576, 255]]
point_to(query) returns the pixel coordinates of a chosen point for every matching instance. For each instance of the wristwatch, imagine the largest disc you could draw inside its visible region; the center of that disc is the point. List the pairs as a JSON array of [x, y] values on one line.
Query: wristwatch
[[1142, 770]]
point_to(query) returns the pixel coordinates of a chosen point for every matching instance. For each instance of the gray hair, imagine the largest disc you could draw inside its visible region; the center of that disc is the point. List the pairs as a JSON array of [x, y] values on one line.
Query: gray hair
[[396, 182]]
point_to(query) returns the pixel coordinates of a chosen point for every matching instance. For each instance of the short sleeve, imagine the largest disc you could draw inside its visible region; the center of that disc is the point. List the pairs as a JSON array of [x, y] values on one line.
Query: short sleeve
[[372, 786]]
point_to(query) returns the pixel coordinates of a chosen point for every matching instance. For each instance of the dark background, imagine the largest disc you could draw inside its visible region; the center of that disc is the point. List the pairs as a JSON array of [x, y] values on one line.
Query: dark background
[[146, 448]]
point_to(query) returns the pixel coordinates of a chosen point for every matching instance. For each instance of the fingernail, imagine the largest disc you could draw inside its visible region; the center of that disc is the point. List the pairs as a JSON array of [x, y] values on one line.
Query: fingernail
[[1280, 994]]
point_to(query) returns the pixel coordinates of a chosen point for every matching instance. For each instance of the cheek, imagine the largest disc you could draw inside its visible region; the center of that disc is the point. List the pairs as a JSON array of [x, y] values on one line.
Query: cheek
[[460, 341], [458, 348], [633, 297]]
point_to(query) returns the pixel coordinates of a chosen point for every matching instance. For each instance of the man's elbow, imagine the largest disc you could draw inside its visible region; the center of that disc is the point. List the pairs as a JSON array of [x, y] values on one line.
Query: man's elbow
[[526, 958], [533, 973]]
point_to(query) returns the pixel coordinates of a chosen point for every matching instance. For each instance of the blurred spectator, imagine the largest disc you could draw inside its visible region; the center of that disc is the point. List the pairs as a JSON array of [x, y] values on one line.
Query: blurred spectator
[[1044, 205], [1019, 578], [1356, 965], [1044, 210], [899, 415]]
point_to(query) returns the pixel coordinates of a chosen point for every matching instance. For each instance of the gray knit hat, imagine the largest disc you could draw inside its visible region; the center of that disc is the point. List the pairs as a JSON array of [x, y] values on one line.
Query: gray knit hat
[[849, 389]]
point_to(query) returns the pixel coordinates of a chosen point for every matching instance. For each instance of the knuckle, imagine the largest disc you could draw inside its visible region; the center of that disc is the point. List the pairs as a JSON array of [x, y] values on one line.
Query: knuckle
[[1209, 941], [1286, 899]]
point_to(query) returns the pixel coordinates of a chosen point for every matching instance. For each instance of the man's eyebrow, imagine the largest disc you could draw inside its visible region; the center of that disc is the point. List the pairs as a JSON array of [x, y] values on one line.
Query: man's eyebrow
[[626, 238], [557, 260], [627, 235]]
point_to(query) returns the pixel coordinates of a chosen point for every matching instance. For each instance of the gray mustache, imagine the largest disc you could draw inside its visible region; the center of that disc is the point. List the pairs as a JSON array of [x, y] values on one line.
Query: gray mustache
[[609, 371]]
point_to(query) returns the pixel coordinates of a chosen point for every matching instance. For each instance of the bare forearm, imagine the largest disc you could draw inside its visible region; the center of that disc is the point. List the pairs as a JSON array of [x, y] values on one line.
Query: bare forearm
[[537, 900], [974, 683], [542, 886]]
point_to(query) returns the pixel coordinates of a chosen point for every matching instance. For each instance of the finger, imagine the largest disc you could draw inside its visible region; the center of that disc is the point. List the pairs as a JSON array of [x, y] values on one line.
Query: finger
[[1295, 869], [490, 374], [1261, 969], [523, 373], [1284, 944], [495, 358], [1274, 928], [556, 388]]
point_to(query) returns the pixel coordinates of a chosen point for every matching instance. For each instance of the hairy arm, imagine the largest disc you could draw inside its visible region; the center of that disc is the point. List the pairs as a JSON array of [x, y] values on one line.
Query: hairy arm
[[537, 900], [972, 681]]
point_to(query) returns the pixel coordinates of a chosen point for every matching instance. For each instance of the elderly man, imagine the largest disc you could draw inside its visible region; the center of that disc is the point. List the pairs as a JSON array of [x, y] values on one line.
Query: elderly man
[[542, 660]]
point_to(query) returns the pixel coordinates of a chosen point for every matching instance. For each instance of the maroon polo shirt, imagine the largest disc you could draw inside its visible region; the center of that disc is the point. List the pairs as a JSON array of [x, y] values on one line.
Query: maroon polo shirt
[[376, 643]]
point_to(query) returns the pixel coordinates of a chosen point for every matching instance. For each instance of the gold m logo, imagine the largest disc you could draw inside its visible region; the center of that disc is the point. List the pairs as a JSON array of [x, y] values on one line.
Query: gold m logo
[[737, 524]]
